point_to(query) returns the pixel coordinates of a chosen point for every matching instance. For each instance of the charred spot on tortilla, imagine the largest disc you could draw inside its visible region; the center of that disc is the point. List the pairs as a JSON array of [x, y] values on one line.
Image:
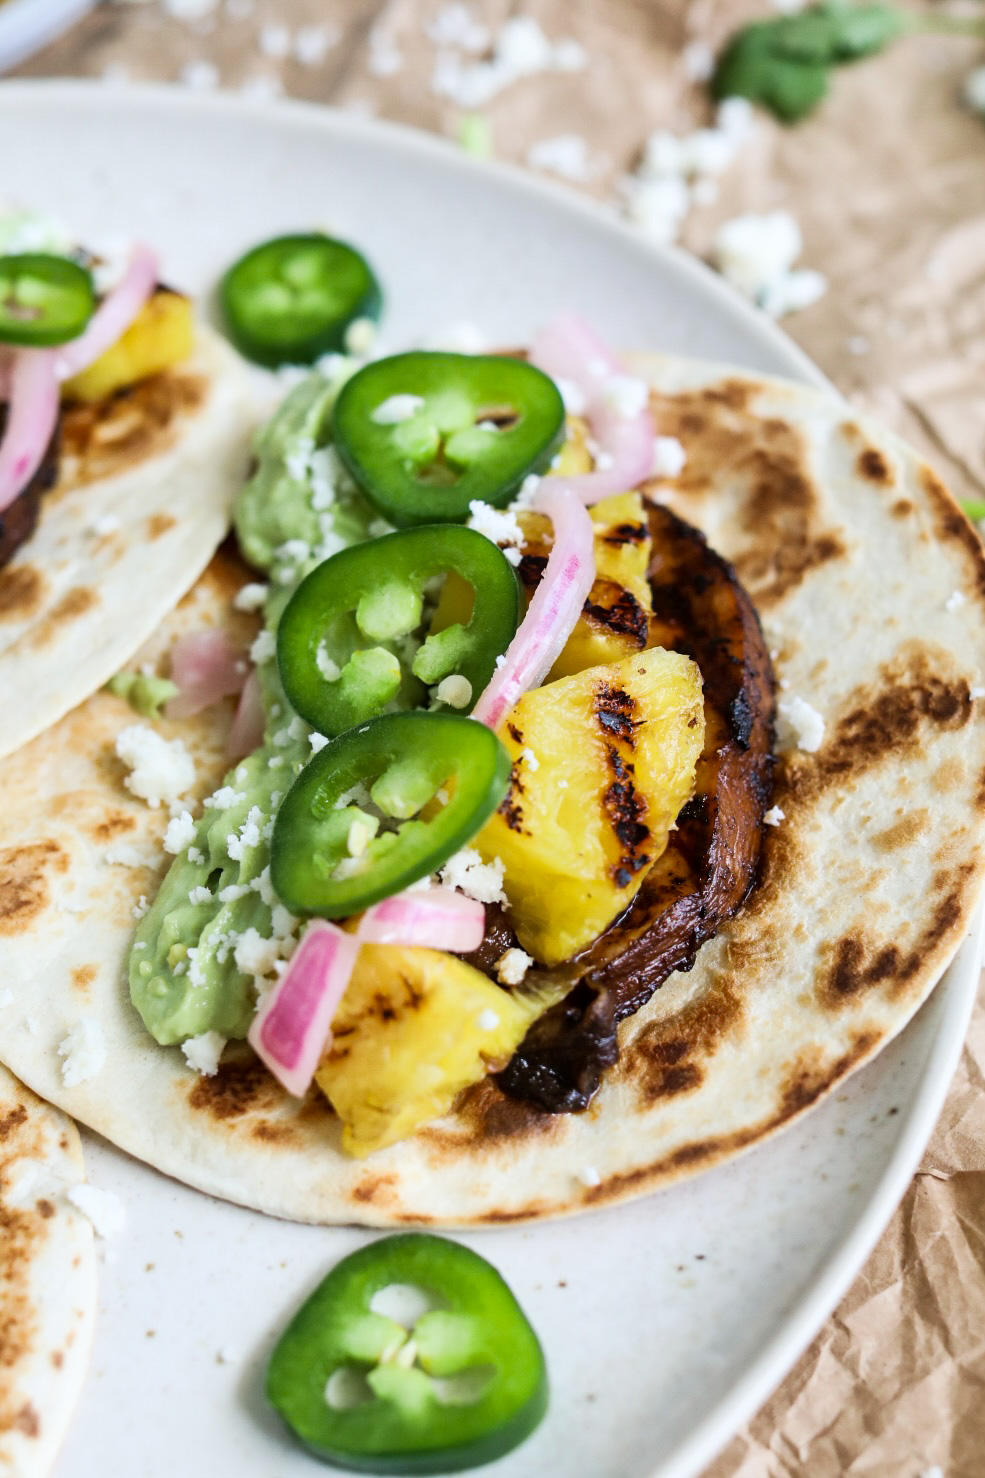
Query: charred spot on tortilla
[[810, 1079], [159, 524], [28, 1421], [130, 426], [268, 1133], [711, 861], [951, 526], [858, 964], [241, 1086], [22, 589], [882, 721], [12, 1120], [872, 466], [903, 832], [114, 824], [778, 503], [373, 1190], [73, 604], [83, 976], [24, 883]]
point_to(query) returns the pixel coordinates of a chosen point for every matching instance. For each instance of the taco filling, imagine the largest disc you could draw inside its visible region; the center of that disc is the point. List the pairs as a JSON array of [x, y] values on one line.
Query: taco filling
[[501, 759], [81, 335]]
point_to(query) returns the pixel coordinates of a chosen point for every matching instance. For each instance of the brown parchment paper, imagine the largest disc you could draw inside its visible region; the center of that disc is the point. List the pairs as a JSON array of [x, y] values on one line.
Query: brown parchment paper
[[888, 183]]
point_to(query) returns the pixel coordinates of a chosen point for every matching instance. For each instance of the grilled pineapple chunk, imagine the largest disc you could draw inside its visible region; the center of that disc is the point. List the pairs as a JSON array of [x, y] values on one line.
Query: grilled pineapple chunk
[[615, 620], [162, 334], [414, 1028], [616, 617], [614, 756]]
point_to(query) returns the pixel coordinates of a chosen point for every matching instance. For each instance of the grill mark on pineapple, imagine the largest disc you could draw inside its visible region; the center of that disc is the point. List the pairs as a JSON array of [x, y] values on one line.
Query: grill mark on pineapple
[[625, 809], [509, 807], [614, 709], [626, 533], [625, 616], [530, 569]]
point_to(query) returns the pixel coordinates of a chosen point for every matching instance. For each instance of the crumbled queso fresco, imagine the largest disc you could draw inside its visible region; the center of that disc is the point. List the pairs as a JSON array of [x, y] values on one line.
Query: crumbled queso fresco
[[480, 880], [800, 725], [103, 1208], [161, 770], [83, 1050], [251, 597], [512, 966], [180, 833], [203, 1052], [500, 525]]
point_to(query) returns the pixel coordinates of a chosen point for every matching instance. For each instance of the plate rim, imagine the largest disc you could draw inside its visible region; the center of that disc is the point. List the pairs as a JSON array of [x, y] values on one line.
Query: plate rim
[[835, 1276], [301, 113], [28, 25], [780, 1352]]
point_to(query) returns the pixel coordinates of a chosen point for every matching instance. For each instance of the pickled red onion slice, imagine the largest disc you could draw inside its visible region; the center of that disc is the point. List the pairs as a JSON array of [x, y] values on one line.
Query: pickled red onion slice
[[569, 349], [114, 315], [32, 414], [206, 667], [436, 918], [246, 733], [292, 1026], [555, 607]]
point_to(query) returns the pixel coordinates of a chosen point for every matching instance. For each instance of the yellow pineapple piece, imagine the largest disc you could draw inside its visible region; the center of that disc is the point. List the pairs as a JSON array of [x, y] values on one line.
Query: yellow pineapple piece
[[162, 334], [614, 756], [414, 1028], [615, 621], [575, 457]]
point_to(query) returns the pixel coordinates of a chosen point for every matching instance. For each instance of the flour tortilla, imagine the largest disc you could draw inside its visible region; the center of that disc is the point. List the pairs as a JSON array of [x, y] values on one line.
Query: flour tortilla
[[142, 500], [871, 588], [47, 1280]]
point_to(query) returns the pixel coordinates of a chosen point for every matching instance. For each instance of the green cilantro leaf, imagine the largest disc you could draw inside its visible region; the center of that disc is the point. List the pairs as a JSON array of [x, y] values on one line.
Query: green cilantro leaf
[[784, 64]]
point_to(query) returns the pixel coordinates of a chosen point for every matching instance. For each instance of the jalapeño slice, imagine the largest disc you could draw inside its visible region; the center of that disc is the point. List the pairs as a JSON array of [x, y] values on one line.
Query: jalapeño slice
[[463, 1385], [425, 434], [339, 639], [404, 760], [44, 300], [290, 300]]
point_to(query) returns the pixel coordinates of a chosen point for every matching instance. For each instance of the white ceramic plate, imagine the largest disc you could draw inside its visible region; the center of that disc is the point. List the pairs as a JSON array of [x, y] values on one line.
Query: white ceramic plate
[[27, 25], [666, 1322]]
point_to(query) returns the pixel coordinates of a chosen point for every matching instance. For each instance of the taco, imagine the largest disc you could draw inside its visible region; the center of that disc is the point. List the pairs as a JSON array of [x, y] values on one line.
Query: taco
[[120, 451], [650, 1011], [47, 1279]]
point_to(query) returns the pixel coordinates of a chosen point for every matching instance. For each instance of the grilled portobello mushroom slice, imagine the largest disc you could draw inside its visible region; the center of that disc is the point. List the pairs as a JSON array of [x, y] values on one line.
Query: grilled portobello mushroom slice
[[708, 869]]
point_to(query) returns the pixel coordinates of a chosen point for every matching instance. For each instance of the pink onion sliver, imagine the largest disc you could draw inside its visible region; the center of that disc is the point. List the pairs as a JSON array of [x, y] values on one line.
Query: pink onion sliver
[[32, 414], [292, 1028], [206, 667], [436, 918], [557, 602], [629, 441], [114, 315], [246, 733], [568, 348]]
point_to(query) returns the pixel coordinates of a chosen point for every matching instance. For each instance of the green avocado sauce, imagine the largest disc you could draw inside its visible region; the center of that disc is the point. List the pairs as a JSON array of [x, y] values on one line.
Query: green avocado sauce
[[298, 508]]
